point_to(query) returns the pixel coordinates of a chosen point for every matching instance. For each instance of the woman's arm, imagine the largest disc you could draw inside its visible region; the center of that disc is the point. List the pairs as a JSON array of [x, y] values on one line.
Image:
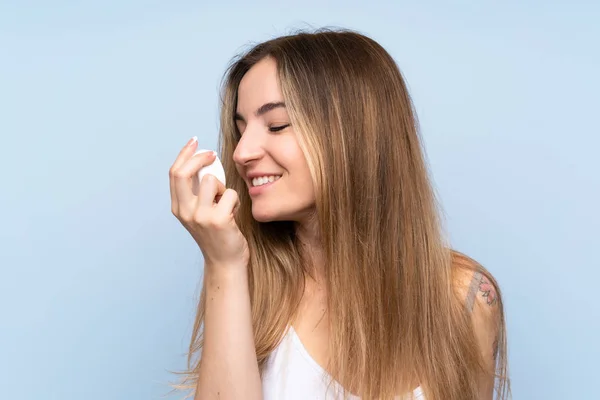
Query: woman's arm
[[228, 366], [486, 317], [483, 302]]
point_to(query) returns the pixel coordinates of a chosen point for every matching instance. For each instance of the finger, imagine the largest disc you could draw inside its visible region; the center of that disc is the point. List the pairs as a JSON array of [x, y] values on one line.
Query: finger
[[183, 155], [229, 202], [187, 173], [210, 189], [174, 207], [186, 152]]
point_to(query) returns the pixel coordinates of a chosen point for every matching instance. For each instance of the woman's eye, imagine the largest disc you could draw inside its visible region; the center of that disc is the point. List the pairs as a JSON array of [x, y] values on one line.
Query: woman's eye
[[278, 128]]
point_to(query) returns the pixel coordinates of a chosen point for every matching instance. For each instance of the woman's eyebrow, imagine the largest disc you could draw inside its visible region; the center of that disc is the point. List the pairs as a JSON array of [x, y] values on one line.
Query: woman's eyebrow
[[265, 108]]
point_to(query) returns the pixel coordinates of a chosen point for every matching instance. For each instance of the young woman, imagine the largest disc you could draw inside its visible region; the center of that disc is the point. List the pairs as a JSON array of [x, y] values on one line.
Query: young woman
[[326, 273]]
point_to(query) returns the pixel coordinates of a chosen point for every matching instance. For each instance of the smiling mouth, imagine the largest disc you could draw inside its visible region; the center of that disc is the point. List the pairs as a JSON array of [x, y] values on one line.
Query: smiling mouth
[[263, 180]]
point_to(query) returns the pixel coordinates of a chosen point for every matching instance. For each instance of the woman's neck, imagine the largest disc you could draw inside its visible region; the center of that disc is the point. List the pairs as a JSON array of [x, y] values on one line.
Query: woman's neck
[[311, 247]]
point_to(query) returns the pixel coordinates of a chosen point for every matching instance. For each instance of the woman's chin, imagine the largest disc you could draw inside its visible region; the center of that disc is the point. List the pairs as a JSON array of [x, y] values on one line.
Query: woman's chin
[[263, 219], [263, 215], [268, 213]]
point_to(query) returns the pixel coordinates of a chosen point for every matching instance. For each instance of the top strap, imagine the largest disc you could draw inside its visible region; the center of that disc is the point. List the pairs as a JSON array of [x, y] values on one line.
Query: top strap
[[473, 288]]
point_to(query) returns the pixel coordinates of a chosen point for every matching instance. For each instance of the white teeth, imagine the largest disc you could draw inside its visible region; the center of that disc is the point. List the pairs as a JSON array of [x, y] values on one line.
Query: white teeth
[[264, 179]]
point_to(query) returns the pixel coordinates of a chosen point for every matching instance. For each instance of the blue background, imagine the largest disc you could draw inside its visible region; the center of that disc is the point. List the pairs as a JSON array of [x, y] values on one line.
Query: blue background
[[99, 280]]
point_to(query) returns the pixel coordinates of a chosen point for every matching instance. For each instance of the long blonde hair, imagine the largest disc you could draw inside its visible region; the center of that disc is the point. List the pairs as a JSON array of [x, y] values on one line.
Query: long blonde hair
[[395, 318]]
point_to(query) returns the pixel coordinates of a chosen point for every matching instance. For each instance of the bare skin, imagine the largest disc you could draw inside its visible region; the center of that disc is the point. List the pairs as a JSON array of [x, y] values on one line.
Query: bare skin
[[310, 323]]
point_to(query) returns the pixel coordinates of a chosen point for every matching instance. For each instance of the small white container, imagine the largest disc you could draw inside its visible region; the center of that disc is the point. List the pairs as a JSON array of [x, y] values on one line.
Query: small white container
[[216, 168]]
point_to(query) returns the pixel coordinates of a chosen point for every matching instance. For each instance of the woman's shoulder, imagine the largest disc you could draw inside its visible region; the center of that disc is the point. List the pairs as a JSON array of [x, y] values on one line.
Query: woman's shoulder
[[474, 284], [479, 292]]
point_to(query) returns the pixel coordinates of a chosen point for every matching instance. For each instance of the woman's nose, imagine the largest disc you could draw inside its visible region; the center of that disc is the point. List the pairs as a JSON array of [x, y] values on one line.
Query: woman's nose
[[249, 149]]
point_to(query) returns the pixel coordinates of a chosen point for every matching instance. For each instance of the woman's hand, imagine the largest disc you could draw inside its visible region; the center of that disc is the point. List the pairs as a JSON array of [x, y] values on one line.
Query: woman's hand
[[208, 213]]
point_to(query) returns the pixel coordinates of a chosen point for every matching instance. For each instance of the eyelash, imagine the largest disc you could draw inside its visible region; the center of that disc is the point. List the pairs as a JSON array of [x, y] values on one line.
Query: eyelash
[[278, 128], [273, 129]]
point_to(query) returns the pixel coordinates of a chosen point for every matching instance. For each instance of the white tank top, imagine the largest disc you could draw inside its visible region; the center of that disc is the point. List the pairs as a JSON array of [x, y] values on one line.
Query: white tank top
[[292, 374]]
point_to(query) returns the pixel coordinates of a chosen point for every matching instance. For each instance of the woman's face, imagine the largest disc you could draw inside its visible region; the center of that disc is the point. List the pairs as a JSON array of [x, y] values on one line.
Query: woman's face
[[268, 156]]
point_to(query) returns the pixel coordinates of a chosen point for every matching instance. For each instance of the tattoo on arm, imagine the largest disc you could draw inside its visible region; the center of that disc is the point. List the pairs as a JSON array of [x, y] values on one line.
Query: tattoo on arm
[[481, 284], [488, 291]]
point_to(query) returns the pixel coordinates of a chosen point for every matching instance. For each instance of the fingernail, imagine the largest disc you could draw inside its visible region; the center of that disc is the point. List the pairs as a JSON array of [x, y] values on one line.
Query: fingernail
[[192, 141]]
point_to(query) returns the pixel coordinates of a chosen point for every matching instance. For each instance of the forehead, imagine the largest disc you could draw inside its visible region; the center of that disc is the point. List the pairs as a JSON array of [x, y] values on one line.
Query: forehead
[[258, 86]]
